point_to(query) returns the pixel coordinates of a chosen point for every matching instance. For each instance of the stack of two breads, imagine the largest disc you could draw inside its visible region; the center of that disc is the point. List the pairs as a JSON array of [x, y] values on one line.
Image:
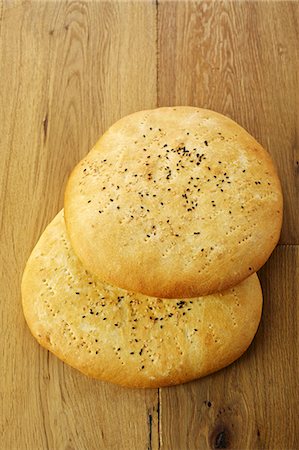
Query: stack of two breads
[[147, 278]]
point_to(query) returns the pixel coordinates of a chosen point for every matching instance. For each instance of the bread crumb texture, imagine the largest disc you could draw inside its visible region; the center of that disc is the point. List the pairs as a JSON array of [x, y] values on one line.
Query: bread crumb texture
[[174, 202], [126, 338]]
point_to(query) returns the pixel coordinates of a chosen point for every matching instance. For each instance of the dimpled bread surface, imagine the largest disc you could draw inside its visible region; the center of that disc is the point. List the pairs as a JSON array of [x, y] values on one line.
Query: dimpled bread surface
[[127, 338], [174, 202]]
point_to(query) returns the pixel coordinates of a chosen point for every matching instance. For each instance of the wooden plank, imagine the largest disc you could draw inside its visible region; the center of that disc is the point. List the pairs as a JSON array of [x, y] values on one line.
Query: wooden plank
[[68, 70], [220, 55], [252, 404], [240, 58]]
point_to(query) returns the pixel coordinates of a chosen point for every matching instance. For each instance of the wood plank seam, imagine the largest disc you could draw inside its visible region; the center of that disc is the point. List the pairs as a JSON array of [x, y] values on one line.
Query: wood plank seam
[[159, 390], [157, 52], [1, 14], [159, 419]]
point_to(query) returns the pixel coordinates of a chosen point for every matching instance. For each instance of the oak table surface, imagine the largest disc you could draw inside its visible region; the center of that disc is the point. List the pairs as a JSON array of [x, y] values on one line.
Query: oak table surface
[[68, 70]]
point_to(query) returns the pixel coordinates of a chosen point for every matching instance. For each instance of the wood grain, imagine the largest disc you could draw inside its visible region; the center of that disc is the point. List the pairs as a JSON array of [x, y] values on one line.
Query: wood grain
[[252, 404], [223, 56], [68, 70]]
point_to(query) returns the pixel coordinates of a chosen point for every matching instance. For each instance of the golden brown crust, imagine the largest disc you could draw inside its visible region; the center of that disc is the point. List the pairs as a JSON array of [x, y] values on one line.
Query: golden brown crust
[[174, 202], [127, 338]]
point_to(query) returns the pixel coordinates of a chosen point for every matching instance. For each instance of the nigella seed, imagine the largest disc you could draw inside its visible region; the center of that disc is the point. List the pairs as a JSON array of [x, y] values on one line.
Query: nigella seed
[[206, 143], [89, 201]]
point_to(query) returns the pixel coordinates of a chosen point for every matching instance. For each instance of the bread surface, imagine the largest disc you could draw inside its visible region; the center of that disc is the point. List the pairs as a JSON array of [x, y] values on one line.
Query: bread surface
[[126, 338], [174, 202]]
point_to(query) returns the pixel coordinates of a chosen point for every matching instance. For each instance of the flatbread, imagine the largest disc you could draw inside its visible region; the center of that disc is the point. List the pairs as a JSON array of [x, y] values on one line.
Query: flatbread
[[127, 338], [174, 202]]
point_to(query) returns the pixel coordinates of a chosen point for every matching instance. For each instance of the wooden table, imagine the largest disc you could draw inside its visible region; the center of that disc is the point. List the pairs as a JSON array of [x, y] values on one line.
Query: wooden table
[[68, 71]]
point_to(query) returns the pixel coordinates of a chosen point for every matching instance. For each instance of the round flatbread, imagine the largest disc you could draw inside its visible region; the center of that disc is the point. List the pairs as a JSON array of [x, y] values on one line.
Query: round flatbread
[[174, 202], [127, 338]]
